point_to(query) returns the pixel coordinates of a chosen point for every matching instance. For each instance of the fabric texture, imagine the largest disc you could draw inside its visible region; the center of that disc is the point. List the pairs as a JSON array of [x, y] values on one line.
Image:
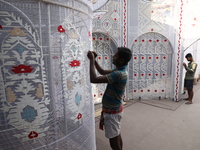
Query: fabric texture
[[188, 83], [190, 70], [108, 111], [112, 98], [112, 124]]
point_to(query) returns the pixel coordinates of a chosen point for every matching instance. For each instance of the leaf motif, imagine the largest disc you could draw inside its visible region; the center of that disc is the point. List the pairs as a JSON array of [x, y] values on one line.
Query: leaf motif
[[7, 21], [39, 91], [11, 95]]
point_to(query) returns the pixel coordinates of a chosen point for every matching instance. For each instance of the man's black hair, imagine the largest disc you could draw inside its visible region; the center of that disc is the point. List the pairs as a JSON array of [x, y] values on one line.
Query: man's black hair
[[188, 55], [124, 53]]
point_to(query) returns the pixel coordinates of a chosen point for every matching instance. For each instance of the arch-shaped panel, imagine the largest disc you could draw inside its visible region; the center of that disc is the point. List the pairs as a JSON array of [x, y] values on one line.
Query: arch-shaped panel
[[150, 68], [24, 88], [105, 47]]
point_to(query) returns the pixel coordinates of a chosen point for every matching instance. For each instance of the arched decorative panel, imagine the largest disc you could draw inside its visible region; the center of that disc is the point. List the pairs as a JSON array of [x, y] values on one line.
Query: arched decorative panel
[[105, 47], [150, 67], [45, 95]]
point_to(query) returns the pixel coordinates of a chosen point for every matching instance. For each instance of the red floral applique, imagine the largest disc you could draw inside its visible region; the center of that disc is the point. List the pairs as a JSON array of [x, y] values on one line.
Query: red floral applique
[[74, 63], [55, 57], [61, 29], [32, 135], [1, 27], [79, 116], [22, 69], [89, 34]]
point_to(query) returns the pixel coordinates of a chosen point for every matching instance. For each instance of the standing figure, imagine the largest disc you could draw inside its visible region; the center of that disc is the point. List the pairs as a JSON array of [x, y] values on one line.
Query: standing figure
[[189, 77], [112, 106]]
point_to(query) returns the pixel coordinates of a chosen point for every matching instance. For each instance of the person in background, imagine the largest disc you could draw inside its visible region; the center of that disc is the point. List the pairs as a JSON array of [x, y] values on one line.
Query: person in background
[[112, 106], [189, 77]]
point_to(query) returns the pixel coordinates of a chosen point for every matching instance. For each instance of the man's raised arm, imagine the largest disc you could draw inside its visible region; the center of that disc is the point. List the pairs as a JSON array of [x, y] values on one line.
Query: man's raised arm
[[98, 67], [93, 77]]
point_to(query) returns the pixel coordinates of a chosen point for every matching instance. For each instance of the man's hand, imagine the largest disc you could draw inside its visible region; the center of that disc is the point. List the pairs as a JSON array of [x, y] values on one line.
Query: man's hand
[[95, 54], [184, 64], [90, 55]]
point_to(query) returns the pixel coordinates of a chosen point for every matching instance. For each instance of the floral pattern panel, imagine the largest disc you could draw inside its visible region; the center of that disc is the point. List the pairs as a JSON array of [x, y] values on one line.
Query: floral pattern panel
[[46, 100]]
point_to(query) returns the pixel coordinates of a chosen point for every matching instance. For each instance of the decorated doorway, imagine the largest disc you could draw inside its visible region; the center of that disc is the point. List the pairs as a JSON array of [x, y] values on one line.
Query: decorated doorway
[[105, 47], [151, 66]]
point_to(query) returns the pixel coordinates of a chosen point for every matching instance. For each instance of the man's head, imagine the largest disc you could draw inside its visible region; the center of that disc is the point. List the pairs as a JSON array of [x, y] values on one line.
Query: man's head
[[122, 56], [189, 57]]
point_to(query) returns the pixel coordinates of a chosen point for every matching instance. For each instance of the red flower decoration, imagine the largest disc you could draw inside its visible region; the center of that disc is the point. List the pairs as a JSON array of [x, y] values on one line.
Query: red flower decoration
[[89, 34], [61, 29], [1, 27], [134, 91], [32, 135], [148, 90], [55, 57], [74, 63], [79, 116], [22, 69]]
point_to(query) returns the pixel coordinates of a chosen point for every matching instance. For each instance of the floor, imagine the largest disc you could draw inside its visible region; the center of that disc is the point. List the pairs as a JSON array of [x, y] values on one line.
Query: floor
[[157, 125]]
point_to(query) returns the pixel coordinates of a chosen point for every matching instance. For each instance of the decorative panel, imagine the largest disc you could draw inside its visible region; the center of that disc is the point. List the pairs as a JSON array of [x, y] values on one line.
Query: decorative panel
[[105, 48], [150, 67], [163, 17], [156, 16], [45, 95], [109, 22]]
